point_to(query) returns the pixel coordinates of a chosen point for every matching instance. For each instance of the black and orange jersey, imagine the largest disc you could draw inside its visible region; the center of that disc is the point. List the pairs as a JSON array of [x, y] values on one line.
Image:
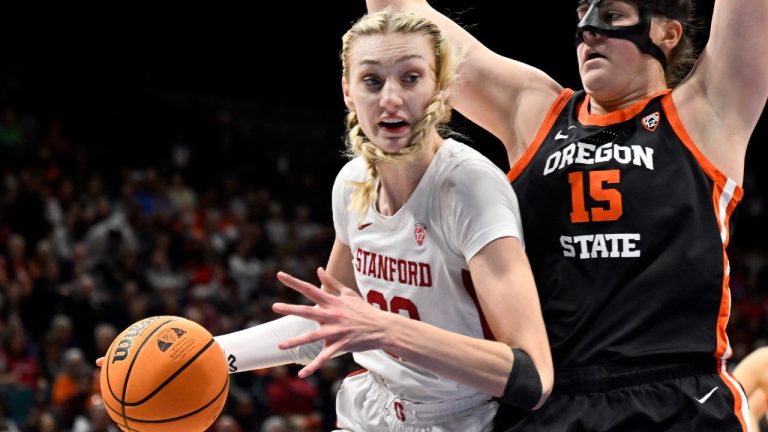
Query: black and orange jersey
[[626, 226]]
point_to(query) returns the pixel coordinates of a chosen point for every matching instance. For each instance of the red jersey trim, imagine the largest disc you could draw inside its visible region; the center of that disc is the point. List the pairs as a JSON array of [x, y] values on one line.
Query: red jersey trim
[[466, 279], [546, 127], [357, 372]]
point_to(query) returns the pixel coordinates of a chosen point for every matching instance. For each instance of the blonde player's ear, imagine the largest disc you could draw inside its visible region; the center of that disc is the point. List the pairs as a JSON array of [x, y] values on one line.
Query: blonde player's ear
[[345, 91]]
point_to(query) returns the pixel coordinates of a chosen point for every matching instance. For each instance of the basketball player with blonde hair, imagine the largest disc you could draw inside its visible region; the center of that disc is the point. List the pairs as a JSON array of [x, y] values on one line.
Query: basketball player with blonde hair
[[427, 281]]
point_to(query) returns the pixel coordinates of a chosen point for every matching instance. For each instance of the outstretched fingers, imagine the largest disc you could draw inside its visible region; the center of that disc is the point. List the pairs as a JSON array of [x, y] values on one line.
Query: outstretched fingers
[[309, 312], [326, 354], [331, 282], [325, 333], [343, 315], [307, 289]]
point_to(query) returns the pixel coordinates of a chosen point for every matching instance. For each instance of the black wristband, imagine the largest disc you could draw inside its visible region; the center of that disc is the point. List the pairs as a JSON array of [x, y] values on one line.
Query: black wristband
[[523, 388]]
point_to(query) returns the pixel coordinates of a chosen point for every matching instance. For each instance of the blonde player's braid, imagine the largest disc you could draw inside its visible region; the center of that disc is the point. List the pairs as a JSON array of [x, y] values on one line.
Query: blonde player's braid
[[437, 113], [365, 192]]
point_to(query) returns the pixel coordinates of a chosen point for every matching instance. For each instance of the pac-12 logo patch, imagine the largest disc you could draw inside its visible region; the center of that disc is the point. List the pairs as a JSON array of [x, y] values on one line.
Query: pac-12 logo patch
[[651, 121], [420, 233], [167, 337]]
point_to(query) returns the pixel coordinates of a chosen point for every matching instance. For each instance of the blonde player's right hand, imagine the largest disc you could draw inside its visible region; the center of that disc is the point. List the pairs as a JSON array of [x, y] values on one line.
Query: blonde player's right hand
[[99, 361], [347, 322]]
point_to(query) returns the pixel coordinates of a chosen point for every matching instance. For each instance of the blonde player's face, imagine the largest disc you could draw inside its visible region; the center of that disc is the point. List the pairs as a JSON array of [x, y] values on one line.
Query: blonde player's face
[[391, 80]]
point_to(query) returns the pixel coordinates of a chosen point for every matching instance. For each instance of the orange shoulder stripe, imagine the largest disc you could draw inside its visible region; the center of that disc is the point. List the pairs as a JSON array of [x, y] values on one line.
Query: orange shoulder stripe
[[546, 126]]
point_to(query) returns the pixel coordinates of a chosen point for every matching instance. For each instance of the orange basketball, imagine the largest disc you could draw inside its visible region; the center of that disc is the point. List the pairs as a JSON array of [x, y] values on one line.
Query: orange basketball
[[164, 374]]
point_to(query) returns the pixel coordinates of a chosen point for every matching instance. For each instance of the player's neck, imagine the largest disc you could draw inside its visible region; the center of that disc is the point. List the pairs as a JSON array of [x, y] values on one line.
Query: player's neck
[[398, 180], [608, 102]]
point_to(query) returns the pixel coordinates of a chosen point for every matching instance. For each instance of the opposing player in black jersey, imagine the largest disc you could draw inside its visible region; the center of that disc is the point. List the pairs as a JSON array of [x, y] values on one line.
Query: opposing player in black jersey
[[626, 191]]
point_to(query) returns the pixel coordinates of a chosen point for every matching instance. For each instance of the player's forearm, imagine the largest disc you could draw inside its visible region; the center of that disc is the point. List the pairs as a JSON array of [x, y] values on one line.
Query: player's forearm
[[481, 364], [256, 347]]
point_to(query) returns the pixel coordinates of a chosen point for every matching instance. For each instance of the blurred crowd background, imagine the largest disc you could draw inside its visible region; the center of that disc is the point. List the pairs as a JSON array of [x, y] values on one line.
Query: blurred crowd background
[[175, 177]]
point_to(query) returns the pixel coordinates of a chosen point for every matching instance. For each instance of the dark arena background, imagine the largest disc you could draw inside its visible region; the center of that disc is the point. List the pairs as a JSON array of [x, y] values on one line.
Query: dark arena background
[[171, 161]]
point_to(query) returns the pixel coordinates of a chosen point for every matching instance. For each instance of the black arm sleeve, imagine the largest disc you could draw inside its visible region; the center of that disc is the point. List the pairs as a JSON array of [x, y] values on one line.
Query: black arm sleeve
[[523, 388]]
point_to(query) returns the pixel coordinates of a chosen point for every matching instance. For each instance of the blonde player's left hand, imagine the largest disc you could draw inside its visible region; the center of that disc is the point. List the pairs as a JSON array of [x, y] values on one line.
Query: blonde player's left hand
[[347, 322]]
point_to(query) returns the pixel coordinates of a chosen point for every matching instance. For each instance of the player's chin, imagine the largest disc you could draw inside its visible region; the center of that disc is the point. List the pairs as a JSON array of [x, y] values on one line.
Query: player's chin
[[392, 143], [597, 81]]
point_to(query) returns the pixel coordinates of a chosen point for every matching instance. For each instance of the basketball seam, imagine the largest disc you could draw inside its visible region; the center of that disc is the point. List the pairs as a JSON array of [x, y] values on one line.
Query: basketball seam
[[136, 356], [130, 369], [166, 420], [172, 377]]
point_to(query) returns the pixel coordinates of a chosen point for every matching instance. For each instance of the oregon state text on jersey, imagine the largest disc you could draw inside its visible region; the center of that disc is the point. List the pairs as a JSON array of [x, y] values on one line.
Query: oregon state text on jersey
[[622, 211]]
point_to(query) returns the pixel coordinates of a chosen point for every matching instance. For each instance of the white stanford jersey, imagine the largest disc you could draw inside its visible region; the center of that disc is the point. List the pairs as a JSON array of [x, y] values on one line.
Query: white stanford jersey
[[415, 262]]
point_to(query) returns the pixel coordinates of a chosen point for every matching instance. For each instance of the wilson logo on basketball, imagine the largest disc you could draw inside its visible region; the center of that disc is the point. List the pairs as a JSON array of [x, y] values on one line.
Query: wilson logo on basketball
[[123, 347], [167, 337], [651, 121], [420, 233]]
